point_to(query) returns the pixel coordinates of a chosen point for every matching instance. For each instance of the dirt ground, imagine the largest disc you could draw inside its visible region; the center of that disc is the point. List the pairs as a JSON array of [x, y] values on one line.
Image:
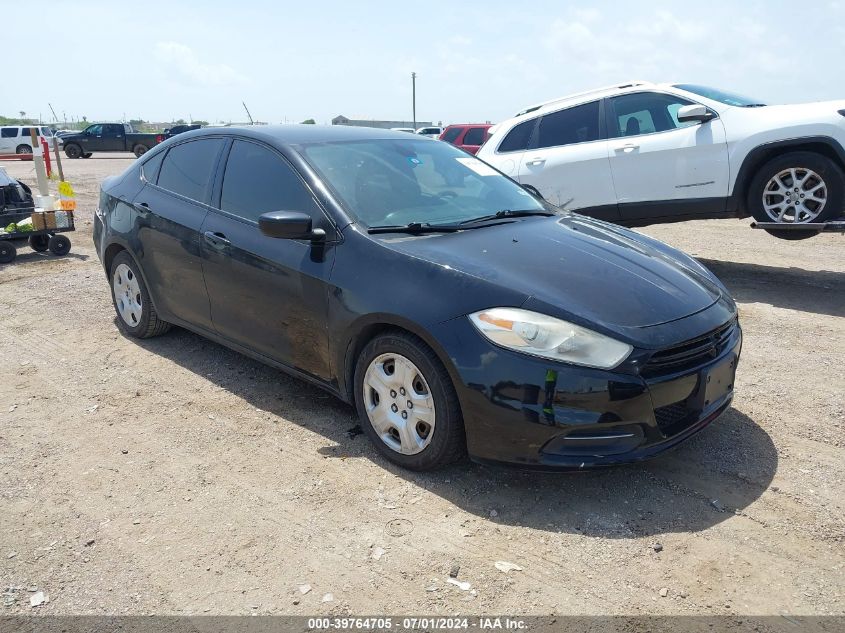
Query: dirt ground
[[175, 476]]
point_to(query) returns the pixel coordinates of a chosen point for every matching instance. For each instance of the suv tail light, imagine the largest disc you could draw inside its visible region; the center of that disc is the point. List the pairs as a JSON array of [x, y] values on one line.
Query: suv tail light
[[159, 138]]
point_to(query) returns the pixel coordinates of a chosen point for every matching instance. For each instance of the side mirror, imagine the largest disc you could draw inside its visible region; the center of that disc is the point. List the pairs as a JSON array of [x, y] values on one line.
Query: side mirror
[[289, 225], [694, 112]]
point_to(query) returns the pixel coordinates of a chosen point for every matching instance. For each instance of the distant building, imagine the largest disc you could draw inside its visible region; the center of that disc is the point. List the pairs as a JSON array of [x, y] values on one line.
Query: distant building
[[385, 125]]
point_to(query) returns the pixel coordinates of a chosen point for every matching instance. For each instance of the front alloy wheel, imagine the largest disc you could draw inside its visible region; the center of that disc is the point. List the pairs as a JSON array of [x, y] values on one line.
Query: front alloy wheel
[[795, 195], [399, 404]]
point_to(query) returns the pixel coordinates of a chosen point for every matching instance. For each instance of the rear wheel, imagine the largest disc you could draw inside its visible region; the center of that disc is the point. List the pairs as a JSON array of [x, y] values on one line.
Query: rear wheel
[[8, 252], [73, 150], [59, 245], [140, 150], [797, 188], [407, 403], [23, 149], [39, 243], [136, 315]]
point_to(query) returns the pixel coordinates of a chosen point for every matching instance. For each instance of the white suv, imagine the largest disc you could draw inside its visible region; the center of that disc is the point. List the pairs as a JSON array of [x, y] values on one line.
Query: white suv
[[16, 139], [642, 153]]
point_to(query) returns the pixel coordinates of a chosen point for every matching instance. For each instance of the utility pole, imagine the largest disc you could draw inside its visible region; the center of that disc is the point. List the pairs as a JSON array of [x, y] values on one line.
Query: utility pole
[[414, 98]]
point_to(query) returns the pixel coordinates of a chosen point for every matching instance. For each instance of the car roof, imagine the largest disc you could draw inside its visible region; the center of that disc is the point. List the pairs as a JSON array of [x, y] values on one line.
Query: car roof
[[293, 134]]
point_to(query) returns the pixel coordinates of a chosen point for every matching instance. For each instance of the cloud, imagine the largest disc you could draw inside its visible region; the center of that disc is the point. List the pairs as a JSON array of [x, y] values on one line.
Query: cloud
[[183, 64]]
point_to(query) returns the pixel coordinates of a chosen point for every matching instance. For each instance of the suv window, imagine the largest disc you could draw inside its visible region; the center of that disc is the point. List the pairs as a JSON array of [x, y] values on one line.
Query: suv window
[[25, 131], [112, 129], [474, 136], [258, 180], [519, 137], [9, 132], [451, 134], [579, 124], [186, 169], [646, 113]]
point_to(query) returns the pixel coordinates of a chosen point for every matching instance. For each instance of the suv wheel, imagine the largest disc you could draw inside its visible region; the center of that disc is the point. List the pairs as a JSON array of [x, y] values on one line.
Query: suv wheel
[[73, 150], [140, 150], [407, 403], [23, 149], [136, 315], [799, 187]]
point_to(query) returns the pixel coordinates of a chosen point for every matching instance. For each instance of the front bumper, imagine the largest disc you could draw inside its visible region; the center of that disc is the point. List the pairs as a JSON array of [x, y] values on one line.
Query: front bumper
[[541, 414]]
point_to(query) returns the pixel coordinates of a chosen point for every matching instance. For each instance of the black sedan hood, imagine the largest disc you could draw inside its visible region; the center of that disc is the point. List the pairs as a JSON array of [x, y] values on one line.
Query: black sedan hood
[[588, 271]]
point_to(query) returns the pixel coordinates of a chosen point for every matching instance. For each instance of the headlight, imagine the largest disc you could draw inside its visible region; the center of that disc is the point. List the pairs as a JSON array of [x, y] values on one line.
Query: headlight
[[541, 335]]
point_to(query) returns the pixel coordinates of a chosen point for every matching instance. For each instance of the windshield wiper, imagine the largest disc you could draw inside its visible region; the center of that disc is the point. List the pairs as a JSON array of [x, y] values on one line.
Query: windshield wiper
[[505, 213], [415, 227], [754, 105]]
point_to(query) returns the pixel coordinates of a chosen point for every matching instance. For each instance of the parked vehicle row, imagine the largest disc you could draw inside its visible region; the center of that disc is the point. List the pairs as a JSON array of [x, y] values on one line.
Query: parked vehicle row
[[642, 153], [454, 309]]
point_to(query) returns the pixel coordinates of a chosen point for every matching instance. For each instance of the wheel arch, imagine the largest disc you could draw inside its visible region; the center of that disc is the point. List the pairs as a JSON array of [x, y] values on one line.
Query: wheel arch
[[365, 330], [760, 155]]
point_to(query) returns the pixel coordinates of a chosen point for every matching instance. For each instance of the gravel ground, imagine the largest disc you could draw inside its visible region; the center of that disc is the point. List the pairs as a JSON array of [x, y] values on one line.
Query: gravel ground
[[175, 476]]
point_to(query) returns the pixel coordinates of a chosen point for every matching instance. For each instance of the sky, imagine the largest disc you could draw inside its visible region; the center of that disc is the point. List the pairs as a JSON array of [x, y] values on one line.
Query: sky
[[475, 61]]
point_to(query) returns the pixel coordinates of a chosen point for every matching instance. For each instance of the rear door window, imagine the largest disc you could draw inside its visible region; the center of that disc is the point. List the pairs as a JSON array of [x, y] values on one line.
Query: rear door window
[[187, 168], [474, 136], [451, 134], [519, 137], [567, 127], [9, 132], [258, 180], [151, 166]]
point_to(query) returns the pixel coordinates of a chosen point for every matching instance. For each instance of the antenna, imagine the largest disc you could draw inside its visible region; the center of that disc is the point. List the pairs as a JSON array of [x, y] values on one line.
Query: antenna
[[54, 113], [251, 122]]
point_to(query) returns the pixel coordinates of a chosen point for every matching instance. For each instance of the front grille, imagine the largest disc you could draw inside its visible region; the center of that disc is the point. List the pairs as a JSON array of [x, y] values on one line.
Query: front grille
[[690, 353], [673, 418]]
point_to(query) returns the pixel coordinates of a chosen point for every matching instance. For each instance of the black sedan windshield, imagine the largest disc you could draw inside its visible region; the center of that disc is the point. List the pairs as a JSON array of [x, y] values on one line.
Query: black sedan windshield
[[393, 182]]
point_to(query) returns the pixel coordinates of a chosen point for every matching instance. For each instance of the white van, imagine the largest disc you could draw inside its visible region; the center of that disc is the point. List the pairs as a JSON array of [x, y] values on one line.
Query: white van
[[16, 139]]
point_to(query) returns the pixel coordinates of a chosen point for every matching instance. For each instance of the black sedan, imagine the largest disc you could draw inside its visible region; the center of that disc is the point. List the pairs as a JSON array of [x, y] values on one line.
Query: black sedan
[[454, 309]]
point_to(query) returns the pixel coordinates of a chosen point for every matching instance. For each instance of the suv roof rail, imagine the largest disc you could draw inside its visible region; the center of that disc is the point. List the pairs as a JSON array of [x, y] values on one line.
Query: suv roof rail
[[628, 84]]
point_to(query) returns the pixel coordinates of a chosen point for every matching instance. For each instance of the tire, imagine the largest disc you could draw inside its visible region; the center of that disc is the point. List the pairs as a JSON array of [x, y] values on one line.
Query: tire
[[8, 252], [140, 150], [73, 150], [87, 155], [59, 245], [798, 187], [791, 236], [39, 243], [23, 149], [136, 315], [429, 441]]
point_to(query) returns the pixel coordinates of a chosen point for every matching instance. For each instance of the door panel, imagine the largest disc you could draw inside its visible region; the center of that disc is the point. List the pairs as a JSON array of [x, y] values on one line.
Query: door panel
[[113, 138], [569, 163], [169, 254], [654, 158], [268, 294]]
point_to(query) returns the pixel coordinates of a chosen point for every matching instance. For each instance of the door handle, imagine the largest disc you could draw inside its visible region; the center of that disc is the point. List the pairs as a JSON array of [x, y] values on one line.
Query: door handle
[[627, 148], [218, 240], [143, 207], [537, 160]]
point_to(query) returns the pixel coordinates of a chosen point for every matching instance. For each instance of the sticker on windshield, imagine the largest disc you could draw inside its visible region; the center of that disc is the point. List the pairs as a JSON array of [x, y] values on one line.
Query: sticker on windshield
[[415, 162], [482, 169]]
